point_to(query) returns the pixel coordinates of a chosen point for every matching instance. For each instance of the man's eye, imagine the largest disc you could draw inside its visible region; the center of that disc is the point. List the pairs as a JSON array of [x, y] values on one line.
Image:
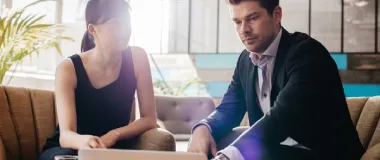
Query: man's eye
[[253, 18], [237, 22]]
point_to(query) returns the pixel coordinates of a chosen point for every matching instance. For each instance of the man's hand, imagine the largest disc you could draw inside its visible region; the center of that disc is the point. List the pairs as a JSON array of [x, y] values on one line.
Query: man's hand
[[202, 141], [110, 138]]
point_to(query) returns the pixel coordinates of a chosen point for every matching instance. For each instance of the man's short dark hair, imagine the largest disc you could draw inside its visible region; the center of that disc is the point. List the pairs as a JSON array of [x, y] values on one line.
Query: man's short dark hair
[[269, 5]]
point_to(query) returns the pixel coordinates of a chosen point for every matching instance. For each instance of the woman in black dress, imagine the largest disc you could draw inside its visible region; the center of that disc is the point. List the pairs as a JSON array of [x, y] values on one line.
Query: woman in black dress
[[95, 89]]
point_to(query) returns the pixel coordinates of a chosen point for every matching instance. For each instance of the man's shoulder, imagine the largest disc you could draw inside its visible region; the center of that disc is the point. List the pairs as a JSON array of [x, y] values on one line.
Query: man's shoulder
[[299, 39], [300, 43]]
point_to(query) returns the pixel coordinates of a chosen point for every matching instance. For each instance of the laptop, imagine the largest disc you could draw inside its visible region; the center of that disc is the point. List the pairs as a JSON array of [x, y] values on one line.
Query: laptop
[[116, 154]]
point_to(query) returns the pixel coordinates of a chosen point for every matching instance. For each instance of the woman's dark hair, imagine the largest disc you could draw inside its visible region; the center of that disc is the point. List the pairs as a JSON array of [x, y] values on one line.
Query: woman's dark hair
[[99, 12]]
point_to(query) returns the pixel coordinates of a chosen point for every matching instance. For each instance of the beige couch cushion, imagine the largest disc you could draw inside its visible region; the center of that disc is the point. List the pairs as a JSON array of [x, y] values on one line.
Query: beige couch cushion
[[2, 150], [179, 114], [11, 119], [372, 153], [44, 115], [365, 114]]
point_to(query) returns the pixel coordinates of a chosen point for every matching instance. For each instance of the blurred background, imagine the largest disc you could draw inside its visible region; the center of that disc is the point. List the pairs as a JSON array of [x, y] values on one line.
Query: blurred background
[[193, 47]]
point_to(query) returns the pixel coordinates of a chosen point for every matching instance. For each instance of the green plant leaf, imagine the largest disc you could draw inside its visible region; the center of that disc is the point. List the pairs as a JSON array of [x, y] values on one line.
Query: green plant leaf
[[58, 48], [7, 32], [22, 22], [66, 38], [40, 26], [15, 24], [28, 19], [22, 36], [38, 53], [35, 21], [7, 29], [2, 20]]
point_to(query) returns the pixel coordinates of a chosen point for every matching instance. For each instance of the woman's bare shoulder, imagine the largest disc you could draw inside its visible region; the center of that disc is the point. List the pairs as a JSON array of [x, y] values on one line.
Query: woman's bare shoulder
[[65, 73], [138, 52]]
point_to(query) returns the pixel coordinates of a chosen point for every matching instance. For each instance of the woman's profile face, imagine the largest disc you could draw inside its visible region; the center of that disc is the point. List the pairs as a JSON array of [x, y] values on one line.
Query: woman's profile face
[[114, 34]]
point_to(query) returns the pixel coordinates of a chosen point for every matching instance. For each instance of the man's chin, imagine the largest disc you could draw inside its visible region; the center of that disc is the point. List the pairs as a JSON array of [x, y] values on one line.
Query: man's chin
[[251, 49], [255, 49]]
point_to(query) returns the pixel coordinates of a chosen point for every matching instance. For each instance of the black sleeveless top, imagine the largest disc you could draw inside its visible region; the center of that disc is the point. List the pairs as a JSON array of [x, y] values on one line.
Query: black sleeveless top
[[99, 111]]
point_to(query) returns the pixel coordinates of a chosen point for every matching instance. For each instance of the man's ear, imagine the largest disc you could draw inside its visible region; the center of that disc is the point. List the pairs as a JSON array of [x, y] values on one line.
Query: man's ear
[[277, 14]]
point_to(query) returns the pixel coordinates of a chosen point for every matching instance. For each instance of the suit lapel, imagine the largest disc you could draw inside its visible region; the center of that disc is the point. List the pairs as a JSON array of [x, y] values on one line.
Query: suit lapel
[[282, 49]]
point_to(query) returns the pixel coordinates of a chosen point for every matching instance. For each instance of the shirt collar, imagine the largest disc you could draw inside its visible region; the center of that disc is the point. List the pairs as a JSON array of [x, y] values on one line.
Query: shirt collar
[[271, 51]]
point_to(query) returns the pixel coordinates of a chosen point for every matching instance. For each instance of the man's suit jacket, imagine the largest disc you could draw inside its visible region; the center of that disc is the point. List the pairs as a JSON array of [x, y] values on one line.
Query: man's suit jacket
[[307, 103]]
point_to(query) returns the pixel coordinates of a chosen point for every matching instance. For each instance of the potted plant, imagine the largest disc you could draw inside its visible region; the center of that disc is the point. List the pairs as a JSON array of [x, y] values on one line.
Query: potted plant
[[23, 34]]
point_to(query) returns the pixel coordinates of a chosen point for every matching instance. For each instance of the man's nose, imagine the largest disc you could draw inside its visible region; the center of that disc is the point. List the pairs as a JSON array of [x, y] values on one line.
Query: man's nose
[[245, 28]]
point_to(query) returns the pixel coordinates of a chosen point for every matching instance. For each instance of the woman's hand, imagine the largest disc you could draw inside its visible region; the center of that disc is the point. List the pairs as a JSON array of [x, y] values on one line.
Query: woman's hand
[[93, 142], [110, 138]]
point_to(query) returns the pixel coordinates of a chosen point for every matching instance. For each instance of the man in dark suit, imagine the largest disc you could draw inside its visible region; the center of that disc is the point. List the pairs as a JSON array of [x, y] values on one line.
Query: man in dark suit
[[291, 88]]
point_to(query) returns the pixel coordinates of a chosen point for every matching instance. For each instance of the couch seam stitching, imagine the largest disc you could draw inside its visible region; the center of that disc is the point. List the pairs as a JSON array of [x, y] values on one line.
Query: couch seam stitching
[[361, 111], [13, 121], [34, 122], [373, 132]]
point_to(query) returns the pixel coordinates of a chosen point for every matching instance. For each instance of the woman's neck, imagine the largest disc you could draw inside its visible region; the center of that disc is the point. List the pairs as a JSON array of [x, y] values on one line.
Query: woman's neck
[[106, 58]]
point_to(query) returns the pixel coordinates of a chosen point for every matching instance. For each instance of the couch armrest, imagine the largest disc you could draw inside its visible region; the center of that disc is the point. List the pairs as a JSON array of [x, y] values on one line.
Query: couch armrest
[[3, 155], [372, 153], [156, 139], [231, 137]]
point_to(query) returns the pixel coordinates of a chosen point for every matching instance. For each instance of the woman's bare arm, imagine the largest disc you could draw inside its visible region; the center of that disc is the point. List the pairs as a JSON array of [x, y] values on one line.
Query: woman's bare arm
[[145, 97], [65, 84]]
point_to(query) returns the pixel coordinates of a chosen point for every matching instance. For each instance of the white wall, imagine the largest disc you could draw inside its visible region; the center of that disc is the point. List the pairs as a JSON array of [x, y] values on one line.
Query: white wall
[[295, 15], [203, 26], [178, 26], [326, 23], [203, 31], [229, 41]]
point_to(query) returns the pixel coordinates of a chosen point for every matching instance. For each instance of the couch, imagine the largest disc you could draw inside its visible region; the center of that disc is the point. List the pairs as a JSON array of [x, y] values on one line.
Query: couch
[[28, 118], [179, 114], [365, 114]]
